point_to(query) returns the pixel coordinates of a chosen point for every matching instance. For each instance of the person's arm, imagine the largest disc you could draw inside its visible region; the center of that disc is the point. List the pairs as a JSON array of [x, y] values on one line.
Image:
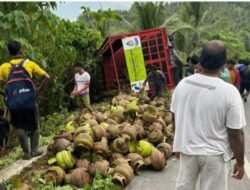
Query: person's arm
[[3, 78], [235, 121], [172, 110], [177, 154], [2, 86], [163, 78], [74, 89], [145, 82], [237, 144], [37, 70], [82, 90], [43, 84]]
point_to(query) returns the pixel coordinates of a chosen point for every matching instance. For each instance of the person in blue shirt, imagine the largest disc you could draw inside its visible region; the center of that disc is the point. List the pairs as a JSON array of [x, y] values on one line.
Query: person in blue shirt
[[241, 66]]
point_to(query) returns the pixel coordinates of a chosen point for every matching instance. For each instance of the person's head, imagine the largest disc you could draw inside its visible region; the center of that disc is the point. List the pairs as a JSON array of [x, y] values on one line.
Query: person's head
[[194, 60], [153, 68], [230, 64], [241, 61], [246, 62], [213, 56], [148, 68], [78, 67], [15, 48]]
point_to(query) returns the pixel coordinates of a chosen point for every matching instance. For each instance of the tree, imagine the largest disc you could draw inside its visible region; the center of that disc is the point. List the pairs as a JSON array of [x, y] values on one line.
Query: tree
[[207, 18], [235, 48], [195, 15], [53, 43], [149, 14], [100, 19], [245, 38], [192, 22]]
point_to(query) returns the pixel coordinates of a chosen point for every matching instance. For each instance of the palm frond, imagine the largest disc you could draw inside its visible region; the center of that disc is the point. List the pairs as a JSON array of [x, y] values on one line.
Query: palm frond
[[183, 27], [128, 23], [172, 19]]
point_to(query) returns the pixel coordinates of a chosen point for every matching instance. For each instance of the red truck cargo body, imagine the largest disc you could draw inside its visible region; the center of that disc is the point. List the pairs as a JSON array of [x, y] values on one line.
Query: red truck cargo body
[[155, 50]]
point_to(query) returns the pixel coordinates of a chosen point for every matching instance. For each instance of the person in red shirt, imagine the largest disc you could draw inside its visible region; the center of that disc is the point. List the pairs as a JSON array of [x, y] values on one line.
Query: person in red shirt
[[234, 73]]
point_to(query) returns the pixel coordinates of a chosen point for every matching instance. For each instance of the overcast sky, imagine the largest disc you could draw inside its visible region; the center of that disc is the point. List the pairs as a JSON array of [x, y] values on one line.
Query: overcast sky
[[71, 10]]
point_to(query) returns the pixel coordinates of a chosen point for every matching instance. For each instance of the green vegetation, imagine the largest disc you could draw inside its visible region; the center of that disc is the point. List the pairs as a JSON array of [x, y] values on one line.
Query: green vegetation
[[54, 43], [192, 24], [14, 155], [101, 183]]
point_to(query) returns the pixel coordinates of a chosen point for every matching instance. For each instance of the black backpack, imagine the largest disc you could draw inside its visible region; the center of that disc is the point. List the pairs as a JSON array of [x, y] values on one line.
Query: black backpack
[[20, 93]]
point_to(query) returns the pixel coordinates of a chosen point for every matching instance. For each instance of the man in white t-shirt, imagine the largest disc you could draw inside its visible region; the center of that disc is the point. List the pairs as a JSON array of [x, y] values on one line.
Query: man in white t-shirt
[[209, 120], [81, 88]]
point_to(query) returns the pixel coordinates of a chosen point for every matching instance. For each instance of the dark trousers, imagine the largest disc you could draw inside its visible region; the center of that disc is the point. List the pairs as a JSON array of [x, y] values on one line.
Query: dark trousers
[[25, 119], [26, 124], [4, 132], [157, 91], [244, 86]]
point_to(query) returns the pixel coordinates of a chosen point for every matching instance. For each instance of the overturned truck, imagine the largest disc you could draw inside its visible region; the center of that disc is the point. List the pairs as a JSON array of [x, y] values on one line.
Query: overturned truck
[[125, 56]]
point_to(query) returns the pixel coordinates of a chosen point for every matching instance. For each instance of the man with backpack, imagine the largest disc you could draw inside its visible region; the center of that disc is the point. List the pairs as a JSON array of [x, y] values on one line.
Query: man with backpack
[[20, 97]]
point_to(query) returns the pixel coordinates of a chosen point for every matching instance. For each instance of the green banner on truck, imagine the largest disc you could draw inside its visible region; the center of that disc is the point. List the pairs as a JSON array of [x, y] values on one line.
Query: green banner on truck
[[135, 61]]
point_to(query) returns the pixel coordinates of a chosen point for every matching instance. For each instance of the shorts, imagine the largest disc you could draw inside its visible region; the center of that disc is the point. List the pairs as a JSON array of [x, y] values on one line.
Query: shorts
[[83, 100], [244, 86], [26, 119]]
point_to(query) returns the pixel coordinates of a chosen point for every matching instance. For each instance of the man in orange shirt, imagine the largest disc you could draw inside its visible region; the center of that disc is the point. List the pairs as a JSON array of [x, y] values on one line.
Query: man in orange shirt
[[234, 73]]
